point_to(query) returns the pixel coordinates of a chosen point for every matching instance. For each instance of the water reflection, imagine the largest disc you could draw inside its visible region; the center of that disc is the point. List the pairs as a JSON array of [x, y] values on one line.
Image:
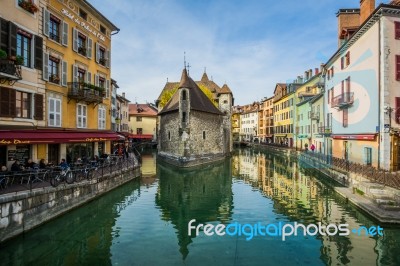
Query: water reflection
[[83, 236], [204, 194], [145, 221], [305, 196]]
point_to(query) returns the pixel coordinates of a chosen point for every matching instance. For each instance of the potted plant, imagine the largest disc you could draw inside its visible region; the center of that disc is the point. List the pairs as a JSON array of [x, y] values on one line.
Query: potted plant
[[28, 5], [19, 60], [55, 78], [3, 54], [82, 50]]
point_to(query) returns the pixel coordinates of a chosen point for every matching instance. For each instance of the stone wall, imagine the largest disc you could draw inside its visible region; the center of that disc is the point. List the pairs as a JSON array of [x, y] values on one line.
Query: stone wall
[[22, 211]]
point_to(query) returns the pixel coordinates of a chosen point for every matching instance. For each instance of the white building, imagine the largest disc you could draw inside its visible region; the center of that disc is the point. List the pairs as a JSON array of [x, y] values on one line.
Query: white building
[[249, 122]]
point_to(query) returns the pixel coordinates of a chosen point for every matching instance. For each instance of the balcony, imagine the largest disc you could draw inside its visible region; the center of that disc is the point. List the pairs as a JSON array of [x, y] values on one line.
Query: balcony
[[314, 115], [85, 92], [343, 100], [9, 71], [325, 131]]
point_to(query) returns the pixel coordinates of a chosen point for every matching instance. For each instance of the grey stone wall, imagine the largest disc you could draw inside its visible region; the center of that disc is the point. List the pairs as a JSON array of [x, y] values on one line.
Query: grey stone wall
[[212, 125]]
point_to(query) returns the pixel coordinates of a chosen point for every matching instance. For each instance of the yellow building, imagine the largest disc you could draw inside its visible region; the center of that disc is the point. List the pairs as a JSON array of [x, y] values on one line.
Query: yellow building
[[69, 42], [143, 121], [236, 110], [284, 113]]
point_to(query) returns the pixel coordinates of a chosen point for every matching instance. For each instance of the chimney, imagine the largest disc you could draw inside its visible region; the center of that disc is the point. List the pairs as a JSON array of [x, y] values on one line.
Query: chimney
[[321, 68], [123, 94], [316, 71], [366, 7], [347, 19], [305, 75], [310, 73]]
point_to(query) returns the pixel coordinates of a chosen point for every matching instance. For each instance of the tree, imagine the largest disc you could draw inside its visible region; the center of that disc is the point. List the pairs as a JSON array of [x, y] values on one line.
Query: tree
[[167, 95]]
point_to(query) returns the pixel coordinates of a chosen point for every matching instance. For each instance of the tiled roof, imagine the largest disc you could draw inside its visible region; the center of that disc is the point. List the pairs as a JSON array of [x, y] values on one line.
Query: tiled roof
[[205, 81], [137, 109], [198, 100], [225, 89]]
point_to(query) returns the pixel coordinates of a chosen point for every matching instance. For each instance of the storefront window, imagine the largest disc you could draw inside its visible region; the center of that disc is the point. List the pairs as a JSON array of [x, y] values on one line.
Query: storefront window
[[82, 151], [101, 148]]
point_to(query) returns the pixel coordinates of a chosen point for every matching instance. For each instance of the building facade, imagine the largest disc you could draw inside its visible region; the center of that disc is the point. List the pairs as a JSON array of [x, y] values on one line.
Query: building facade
[[66, 46], [143, 122], [192, 130]]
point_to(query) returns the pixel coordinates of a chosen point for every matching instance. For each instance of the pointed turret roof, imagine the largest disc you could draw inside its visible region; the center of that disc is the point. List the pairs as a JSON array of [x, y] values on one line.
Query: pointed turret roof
[[198, 100], [204, 78], [225, 90]]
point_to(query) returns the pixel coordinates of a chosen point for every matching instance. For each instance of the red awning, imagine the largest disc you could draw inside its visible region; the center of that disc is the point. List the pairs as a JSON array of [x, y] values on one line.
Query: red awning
[[8, 137], [355, 137], [142, 136]]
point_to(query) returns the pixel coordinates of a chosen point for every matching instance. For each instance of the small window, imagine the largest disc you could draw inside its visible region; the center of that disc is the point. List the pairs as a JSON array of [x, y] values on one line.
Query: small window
[[183, 95], [397, 30], [225, 101], [169, 135], [82, 14], [183, 117], [138, 118], [204, 135], [345, 117], [102, 29], [368, 156]]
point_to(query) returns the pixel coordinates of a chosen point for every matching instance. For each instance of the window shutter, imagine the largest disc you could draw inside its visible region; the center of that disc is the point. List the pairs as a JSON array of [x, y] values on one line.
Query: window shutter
[[64, 70], [397, 67], [108, 59], [89, 77], [7, 102], [348, 58], [38, 53], [46, 22], [58, 113], [12, 33], [397, 112], [397, 30], [97, 57], [65, 33], [89, 47], [38, 107], [74, 40], [342, 62], [96, 80], [74, 73], [45, 66], [107, 88], [4, 24]]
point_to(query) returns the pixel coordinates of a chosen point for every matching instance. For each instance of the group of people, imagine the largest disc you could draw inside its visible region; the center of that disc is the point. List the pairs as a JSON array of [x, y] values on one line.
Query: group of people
[[29, 165]]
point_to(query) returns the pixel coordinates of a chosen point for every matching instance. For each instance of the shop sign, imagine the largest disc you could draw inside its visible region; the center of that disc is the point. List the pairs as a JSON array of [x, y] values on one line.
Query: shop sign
[[83, 24]]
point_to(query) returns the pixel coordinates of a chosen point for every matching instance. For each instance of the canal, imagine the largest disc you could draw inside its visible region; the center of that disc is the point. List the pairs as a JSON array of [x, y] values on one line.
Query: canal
[[145, 222]]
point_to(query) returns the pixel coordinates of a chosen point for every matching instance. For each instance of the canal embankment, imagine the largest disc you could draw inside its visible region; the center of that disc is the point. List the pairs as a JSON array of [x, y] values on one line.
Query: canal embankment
[[22, 211], [379, 201]]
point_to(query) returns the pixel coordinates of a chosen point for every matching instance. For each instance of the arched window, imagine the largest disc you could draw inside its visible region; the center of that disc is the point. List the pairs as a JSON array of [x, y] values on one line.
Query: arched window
[[184, 95]]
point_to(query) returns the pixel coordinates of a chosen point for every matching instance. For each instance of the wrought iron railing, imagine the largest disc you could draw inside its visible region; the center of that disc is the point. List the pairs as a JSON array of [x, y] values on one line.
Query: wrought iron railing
[[85, 92], [343, 100]]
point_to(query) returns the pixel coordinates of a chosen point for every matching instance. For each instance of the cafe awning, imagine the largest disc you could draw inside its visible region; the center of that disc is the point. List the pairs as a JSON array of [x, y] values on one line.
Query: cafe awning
[[142, 136], [9, 137]]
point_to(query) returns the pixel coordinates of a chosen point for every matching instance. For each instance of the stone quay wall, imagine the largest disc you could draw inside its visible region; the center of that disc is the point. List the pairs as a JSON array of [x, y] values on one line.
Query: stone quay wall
[[24, 210]]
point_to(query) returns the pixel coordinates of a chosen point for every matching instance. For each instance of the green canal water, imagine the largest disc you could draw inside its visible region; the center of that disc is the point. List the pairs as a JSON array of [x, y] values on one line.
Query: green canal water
[[145, 222]]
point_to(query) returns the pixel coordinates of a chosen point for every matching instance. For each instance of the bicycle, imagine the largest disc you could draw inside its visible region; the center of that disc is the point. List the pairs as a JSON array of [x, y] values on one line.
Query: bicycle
[[61, 176], [85, 172]]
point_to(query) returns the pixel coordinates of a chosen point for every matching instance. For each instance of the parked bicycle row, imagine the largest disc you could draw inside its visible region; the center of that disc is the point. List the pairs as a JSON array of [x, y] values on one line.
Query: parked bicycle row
[[68, 173]]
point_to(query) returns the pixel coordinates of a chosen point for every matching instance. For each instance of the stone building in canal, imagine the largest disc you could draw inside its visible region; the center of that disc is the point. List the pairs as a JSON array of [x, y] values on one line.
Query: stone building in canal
[[192, 129]]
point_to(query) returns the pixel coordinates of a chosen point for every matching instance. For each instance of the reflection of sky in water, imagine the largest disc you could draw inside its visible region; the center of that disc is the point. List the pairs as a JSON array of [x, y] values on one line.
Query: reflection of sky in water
[[145, 221]]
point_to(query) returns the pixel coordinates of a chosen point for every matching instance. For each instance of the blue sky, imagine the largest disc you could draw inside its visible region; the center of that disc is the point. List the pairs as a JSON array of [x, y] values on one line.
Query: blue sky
[[248, 44]]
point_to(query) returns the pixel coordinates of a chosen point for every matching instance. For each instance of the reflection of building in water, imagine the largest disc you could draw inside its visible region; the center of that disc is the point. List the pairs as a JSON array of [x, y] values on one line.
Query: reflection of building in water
[[203, 194], [303, 198], [247, 166], [148, 164]]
